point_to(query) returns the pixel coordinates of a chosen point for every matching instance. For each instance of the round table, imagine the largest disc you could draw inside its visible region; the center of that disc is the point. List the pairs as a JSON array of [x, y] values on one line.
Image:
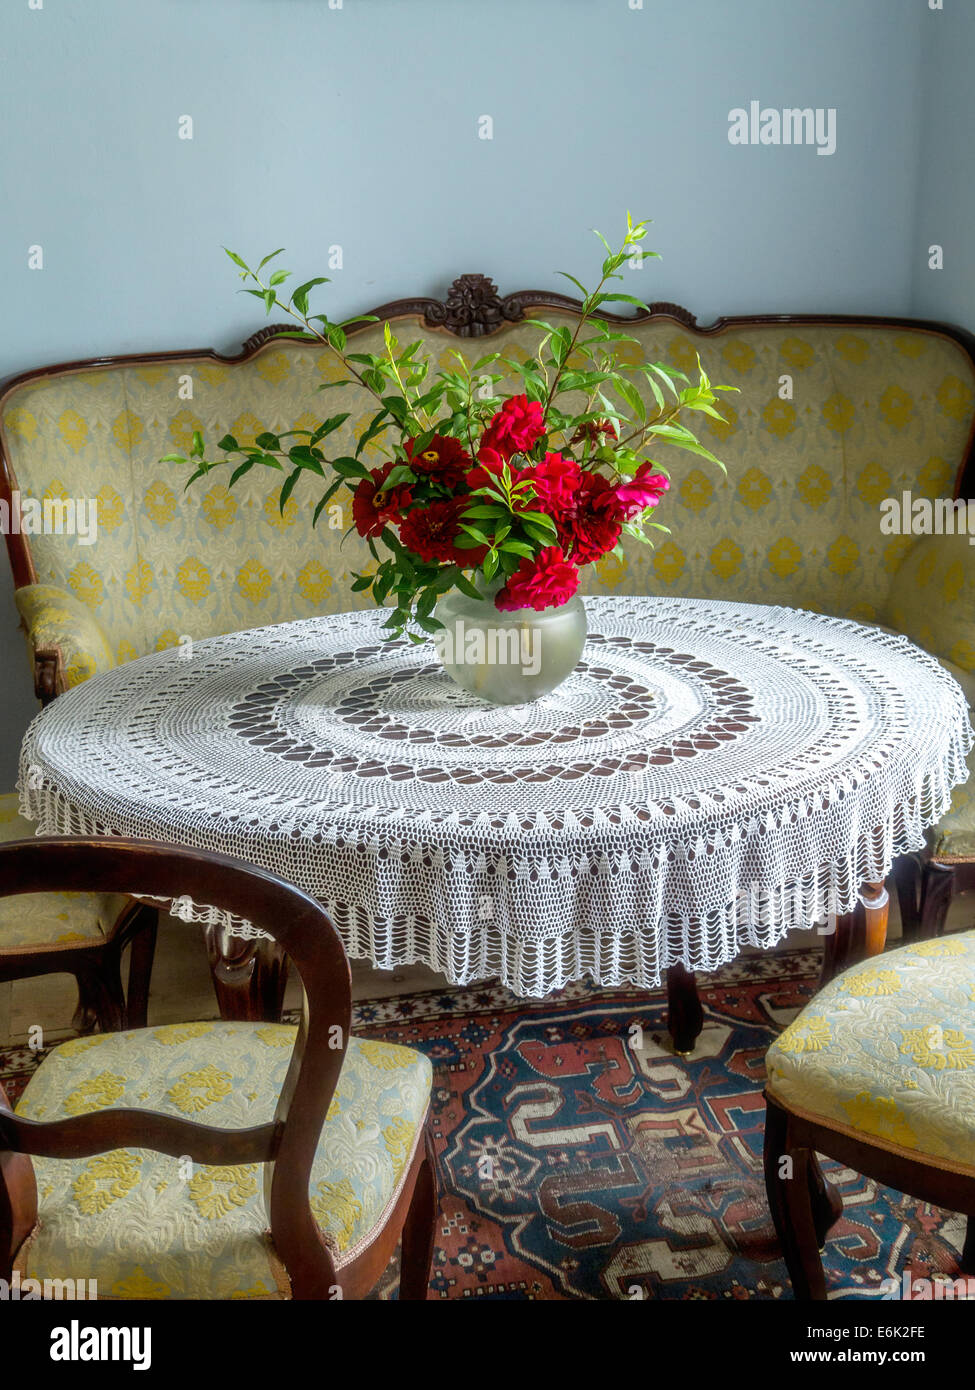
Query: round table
[[710, 776]]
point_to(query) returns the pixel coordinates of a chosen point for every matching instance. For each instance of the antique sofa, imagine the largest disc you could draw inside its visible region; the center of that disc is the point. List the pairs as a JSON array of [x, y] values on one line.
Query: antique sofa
[[834, 415]]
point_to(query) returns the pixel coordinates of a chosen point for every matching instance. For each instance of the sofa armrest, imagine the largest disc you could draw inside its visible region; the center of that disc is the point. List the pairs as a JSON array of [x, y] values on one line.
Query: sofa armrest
[[66, 642], [932, 598]]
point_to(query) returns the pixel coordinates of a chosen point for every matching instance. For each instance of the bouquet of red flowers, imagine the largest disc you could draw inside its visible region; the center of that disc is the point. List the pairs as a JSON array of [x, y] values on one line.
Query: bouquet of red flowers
[[519, 491]]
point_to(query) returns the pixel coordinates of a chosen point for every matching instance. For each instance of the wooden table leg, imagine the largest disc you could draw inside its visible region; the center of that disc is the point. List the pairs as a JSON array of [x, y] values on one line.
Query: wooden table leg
[[249, 976], [858, 935], [685, 1017]]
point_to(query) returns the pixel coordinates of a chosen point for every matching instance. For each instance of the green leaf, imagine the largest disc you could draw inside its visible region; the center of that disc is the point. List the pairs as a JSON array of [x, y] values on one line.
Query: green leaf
[[287, 489], [236, 259], [271, 257], [228, 444], [241, 469], [466, 587], [299, 297]]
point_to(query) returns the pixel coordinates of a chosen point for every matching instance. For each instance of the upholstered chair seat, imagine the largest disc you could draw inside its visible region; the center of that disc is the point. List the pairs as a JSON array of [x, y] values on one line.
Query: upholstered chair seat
[[887, 1051], [147, 1225], [52, 920], [878, 1073]]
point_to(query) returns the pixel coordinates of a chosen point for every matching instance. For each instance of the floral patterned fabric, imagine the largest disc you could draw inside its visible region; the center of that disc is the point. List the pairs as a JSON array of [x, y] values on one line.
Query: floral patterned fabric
[[888, 1049], [146, 1226], [49, 919], [932, 598], [56, 619], [874, 411]]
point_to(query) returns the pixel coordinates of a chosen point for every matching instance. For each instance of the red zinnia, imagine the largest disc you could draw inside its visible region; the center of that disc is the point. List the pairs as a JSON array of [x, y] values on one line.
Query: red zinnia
[[373, 507], [432, 532], [547, 581], [444, 460], [517, 426]]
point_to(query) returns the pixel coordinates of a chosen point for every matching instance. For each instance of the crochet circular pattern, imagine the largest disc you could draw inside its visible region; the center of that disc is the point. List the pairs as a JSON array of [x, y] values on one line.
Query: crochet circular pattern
[[711, 775]]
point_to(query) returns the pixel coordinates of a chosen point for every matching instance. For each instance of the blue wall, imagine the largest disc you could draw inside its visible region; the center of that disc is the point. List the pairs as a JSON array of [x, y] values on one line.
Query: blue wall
[[946, 186], [315, 126]]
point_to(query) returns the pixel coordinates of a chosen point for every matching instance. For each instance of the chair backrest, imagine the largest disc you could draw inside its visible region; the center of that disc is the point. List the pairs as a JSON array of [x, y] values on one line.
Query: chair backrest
[[289, 1142]]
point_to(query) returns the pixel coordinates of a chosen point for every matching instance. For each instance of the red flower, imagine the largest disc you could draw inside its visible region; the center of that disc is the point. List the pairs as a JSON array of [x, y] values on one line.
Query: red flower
[[444, 460], [373, 508], [517, 426], [592, 528], [630, 498], [593, 430], [556, 481], [432, 532], [547, 581]]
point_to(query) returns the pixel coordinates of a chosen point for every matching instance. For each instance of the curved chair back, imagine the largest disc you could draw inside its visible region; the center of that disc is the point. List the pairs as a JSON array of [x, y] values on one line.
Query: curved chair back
[[144, 869]]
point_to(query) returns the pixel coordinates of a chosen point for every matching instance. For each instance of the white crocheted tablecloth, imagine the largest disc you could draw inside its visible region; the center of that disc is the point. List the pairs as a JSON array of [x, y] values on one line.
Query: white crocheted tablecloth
[[711, 775]]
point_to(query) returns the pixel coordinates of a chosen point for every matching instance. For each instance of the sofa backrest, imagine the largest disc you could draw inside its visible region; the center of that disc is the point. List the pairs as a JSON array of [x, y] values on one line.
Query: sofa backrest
[[876, 409]]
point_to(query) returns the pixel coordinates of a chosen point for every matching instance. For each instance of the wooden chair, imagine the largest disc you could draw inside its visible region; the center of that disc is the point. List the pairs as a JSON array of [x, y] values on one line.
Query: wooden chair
[[109, 1171], [82, 935], [878, 1073]]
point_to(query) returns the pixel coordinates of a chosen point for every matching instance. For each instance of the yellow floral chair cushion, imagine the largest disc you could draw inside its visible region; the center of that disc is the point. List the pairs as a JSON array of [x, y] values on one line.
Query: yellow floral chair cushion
[[50, 920], [149, 1226], [56, 619], [887, 1050]]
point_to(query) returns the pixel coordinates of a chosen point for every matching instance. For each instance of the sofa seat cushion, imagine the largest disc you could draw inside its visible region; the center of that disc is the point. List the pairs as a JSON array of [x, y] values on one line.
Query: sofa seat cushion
[[147, 1227], [50, 920], [887, 1050]]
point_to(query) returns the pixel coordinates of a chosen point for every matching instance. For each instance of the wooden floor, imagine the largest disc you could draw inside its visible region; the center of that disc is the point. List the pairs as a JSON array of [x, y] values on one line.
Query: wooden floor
[[181, 988]]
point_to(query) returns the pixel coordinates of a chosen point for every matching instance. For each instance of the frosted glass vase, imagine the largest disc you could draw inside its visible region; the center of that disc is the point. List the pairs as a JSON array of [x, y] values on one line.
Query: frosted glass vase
[[508, 658]]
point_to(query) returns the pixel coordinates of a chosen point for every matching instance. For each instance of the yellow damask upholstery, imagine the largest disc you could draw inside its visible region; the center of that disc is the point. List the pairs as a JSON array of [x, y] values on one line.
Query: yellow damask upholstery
[[874, 411], [887, 1050], [932, 598], [56, 619], [49, 920], [149, 1226]]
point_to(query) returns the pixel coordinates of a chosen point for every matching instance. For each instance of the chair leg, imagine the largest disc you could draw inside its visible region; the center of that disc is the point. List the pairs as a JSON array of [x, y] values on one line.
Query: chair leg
[[101, 999], [827, 1204], [937, 891], [141, 954], [419, 1231], [789, 1182], [249, 976], [685, 1017], [967, 1263], [907, 873]]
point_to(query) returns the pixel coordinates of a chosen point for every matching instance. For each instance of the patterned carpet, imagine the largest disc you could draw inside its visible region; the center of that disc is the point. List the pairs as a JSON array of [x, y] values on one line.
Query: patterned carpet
[[581, 1160]]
